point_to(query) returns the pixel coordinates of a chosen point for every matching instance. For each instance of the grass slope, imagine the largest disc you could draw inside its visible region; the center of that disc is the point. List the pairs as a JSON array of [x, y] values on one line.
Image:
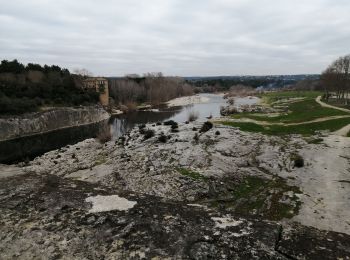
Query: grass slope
[[301, 111], [304, 129], [276, 96]]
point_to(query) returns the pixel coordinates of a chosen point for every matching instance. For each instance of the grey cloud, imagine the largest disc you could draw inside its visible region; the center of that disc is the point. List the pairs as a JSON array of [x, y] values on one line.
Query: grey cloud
[[178, 37]]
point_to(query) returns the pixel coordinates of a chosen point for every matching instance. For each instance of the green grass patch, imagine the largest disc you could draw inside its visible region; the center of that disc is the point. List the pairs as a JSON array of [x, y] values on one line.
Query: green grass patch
[[256, 196], [192, 174], [315, 140], [301, 111], [101, 159], [249, 185], [303, 129], [279, 95]]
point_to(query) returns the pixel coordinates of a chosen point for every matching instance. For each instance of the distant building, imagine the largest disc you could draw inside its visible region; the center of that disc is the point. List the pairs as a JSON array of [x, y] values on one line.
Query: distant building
[[100, 85]]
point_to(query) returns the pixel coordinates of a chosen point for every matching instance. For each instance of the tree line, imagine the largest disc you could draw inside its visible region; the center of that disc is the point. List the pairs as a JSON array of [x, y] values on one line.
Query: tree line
[[219, 84], [153, 88], [25, 88], [336, 80], [16, 67]]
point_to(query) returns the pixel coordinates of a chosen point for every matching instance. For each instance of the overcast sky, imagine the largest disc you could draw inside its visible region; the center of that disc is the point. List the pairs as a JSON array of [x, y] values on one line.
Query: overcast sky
[[177, 37]]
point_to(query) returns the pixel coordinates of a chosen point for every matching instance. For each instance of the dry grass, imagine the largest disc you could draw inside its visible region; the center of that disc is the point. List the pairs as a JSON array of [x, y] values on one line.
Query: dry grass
[[192, 116], [104, 136], [132, 106]]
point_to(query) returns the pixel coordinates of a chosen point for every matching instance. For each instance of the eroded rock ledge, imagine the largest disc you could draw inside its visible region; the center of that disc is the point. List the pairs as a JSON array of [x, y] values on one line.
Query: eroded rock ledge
[[47, 217], [54, 119], [168, 192]]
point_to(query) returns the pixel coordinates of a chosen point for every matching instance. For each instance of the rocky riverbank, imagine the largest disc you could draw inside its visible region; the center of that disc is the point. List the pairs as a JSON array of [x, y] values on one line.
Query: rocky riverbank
[[188, 100], [177, 191], [33, 134], [50, 120]]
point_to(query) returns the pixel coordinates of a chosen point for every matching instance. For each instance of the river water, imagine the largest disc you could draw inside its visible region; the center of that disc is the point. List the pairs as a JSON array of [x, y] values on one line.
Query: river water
[[121, 124], [29, 147]]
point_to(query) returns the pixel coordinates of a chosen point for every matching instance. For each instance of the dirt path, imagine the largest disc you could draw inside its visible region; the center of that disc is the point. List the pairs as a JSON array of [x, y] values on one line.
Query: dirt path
[[318, 100], [346, 129], [265, 123], [325, 182], [343, 131]]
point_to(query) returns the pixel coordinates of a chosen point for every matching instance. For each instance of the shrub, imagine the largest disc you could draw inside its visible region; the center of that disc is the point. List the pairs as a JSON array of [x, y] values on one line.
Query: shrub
[[206, 127], [121, 140], [194, 129], [196, 137], [162, 138], [217, 133], [131, 106], [192, 116], [159, 123], [142, 126], [104, 137], [298, 161], [174, 127], [170, 122], [147, 134]]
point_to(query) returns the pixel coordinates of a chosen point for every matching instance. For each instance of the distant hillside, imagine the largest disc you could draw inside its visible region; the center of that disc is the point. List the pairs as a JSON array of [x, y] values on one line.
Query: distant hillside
[[268, 81], [26, 88]]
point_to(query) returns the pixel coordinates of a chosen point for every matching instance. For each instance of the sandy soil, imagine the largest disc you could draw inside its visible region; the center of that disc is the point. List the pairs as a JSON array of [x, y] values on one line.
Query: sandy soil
[[343, 131], [184, 101], [325, 182]]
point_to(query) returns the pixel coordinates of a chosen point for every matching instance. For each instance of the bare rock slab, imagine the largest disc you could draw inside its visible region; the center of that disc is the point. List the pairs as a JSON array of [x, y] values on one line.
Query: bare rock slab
[[49, 217]]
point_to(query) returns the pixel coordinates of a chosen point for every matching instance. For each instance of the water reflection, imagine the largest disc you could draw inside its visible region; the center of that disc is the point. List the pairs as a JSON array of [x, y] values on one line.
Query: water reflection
[[123, 123]]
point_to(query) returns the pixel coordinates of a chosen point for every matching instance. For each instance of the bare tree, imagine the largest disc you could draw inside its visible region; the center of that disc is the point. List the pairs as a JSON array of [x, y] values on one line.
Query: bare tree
[[126, 90], [83, 72], [336, 79], [153, 88]]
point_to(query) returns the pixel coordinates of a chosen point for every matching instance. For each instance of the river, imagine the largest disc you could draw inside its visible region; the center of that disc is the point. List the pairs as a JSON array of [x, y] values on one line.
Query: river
[[28, 147], [123, 123]]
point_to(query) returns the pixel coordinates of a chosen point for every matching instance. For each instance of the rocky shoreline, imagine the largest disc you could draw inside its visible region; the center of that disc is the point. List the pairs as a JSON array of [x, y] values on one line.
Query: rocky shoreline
[[33, 134], [197, 194], [50, 120], [48, 218]]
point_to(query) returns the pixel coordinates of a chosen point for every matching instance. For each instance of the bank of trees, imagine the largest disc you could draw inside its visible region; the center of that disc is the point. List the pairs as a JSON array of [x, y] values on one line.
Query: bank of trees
[[24, 88], [17, 68], [151, 88], [336, 80]]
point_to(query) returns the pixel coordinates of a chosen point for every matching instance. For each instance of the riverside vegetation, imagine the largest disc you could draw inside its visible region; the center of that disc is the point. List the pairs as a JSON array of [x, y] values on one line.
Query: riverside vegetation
[[297, 112], [267, 185], [27, 88], [218, 191]]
